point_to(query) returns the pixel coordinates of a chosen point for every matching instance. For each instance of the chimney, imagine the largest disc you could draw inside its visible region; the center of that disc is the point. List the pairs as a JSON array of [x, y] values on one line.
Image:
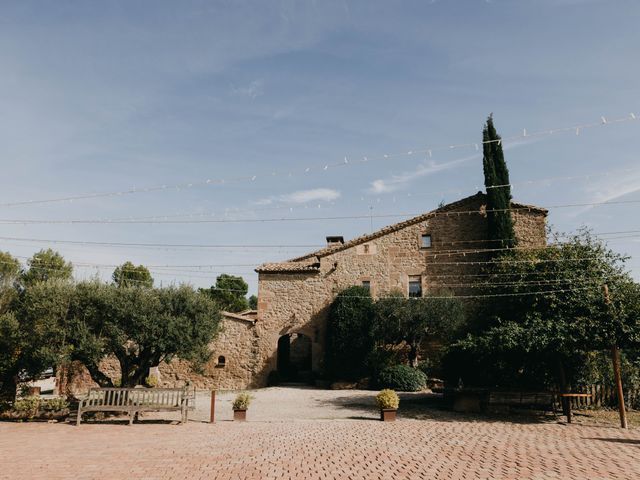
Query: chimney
[[335, 240]]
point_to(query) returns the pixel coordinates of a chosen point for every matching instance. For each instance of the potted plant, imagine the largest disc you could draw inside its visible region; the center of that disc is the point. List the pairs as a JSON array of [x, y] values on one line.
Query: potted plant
[[240, 405], [388, 402]]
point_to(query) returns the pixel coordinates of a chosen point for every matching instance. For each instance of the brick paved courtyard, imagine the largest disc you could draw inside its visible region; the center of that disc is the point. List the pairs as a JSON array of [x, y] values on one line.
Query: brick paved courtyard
[[440, 446]]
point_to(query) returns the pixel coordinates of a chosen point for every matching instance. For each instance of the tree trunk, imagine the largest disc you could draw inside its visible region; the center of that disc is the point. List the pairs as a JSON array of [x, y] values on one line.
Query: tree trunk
[[562, 381], [413, 355], [97, 376]]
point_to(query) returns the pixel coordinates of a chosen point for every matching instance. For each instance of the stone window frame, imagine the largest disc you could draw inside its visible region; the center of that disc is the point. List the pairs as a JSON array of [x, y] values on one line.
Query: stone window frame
[[371, 284], [420, 281], [367, 248], [222, 361], [422, 234]]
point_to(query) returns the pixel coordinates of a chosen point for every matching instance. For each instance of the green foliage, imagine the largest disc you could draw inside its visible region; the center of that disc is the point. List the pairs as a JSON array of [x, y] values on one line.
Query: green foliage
[[27, 408], [151, 381], [402, 378], [54, 405], [10, 268], [128, 275], [398, 319], [34, 333], [229, 292], [349, 334], [11, 342], [140, 327], [253, 302], [387, 399], [533, 338], [242, 401], [31, 407], [47, 265], [496, 174]]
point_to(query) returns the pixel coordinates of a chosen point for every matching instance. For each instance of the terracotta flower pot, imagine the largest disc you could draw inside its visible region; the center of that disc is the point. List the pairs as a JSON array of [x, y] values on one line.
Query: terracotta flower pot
[[388, 415], [239, 415]]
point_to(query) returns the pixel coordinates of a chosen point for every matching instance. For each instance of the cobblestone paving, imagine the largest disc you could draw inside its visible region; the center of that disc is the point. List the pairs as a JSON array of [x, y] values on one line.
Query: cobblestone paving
[[351, 445]]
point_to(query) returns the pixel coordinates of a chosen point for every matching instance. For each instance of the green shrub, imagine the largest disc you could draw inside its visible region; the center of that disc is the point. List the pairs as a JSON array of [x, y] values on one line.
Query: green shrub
[[27, 407], [242, 401], [388, 400], [402, 378], [151, 381], [54, 405], [117, 382]]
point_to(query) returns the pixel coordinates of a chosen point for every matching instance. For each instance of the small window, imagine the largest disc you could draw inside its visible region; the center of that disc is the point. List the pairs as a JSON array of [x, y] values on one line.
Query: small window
[[366, 284], [366, 248], [415, 286], [425, 241], [222, 361]]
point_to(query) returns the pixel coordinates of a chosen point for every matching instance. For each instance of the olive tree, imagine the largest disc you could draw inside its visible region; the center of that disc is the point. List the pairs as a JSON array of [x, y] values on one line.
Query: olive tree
[[140, 327]]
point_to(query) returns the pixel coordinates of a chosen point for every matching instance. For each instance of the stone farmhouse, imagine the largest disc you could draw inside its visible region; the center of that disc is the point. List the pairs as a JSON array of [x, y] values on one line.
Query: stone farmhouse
[[286, 334]]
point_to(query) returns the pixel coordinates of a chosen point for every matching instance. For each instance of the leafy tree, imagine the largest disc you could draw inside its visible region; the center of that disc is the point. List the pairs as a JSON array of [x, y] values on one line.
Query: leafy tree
[[349, 333], [253, 302], [230, 292], [496, 181], [411, 321], [10, 268], [11, 338], [128, 275], [140, 327], [34, 333], [553, 314], [47, 265]]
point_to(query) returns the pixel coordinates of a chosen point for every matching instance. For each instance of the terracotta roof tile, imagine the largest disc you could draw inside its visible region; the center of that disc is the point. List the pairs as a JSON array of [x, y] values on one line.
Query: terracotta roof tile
[[291, 266]]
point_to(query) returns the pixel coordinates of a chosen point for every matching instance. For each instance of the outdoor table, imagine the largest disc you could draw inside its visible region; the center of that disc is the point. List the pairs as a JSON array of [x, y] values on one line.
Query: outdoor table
[[568, 397]]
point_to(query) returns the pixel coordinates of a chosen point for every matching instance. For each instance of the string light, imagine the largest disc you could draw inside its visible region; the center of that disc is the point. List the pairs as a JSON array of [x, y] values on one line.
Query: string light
[[158, 245], [491, 295], [453, 213], [323, 167], [472, 285], [291, 208]]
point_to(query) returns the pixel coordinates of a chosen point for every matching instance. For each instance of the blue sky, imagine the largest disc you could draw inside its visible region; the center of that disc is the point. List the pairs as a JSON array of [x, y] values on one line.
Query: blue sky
[[105, 96]]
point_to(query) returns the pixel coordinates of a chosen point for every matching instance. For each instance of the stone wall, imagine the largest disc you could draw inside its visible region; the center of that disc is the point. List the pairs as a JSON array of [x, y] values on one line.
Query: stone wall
[[237, 343]]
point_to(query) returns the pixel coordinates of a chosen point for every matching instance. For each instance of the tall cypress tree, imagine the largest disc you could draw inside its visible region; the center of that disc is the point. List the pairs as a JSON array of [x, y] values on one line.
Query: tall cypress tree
[[496, 182]]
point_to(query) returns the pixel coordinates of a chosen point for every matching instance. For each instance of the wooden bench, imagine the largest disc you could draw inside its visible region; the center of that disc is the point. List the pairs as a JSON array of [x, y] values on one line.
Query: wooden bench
[[533, 400], [135, 400]]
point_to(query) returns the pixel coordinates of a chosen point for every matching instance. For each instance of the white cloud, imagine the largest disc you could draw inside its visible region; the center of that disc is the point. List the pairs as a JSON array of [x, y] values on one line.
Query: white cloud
[[397, 182], [611, 186], [313, 195], [302, 196], [616, 185]]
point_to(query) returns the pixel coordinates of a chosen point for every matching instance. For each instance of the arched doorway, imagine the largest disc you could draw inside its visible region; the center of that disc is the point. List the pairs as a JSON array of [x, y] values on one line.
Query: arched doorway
[[294, 357]]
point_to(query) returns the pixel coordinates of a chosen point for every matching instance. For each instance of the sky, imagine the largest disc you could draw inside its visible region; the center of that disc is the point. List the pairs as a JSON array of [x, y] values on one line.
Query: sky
[[332, 106]]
